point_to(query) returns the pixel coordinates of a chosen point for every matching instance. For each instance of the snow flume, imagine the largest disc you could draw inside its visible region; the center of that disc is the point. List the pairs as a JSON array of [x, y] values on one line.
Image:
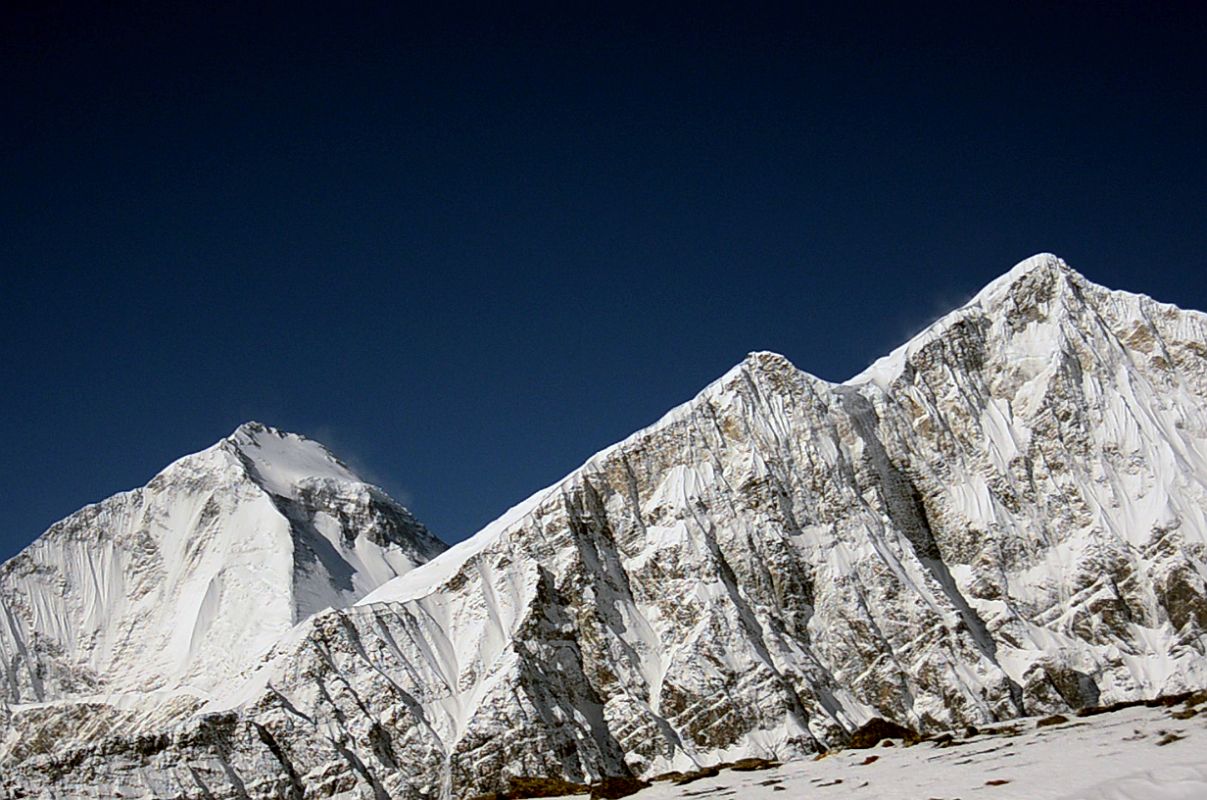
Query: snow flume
[[1005, 517]]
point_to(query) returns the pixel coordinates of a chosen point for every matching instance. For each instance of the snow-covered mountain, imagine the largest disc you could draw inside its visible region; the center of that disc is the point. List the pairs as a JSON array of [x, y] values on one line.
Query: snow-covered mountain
[[170, 589], [1005, 516]]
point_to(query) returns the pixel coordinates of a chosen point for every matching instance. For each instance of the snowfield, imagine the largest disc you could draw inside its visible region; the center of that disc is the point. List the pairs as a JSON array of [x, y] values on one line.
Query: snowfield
[[1135, 754]]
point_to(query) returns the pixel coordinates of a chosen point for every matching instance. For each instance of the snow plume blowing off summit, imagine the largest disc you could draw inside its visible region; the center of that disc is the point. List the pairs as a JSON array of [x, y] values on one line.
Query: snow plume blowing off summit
[[1005, 516], [176, 585]]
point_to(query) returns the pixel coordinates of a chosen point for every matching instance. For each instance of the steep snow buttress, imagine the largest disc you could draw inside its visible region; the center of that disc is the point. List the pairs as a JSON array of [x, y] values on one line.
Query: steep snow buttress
[[176, 585], [1005, 516]]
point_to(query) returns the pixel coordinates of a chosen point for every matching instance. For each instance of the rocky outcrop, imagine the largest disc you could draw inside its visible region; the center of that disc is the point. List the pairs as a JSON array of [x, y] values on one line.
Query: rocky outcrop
[[1003, 517]]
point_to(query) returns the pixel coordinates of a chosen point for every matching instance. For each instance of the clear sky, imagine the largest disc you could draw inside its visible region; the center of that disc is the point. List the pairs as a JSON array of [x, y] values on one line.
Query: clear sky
[[467, 251]]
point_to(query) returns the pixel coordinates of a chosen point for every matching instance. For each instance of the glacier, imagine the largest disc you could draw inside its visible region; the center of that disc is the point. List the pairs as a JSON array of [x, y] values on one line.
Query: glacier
[[1003, 517]]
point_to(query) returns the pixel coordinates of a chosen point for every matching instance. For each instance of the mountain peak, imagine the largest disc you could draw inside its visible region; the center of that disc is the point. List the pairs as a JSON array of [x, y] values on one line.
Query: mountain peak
[[767, 359], [251, 430], [218, 555], [279, 460], [1040, 268], [255, 435], [1034, 289]]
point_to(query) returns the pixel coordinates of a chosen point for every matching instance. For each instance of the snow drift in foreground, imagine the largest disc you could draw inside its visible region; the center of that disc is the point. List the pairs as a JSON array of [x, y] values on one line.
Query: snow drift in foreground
[[1006, 516], [1138, 754]]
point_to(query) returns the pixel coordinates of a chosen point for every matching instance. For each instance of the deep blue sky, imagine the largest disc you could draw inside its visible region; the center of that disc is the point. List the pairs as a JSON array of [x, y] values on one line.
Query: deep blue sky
[[468, 251]]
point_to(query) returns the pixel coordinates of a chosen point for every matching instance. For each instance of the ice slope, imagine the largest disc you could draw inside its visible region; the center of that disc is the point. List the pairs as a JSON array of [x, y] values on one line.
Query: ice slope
[[1003, 517], [176, 585]]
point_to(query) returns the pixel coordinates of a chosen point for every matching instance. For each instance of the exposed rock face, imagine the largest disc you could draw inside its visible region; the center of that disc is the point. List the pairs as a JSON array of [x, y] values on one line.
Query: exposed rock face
[[1005, 516]]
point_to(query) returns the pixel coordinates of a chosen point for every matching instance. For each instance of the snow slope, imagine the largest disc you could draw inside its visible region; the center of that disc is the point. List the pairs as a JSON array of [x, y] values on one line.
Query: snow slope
[[1109, 757], [1004, 517], [175, 585]]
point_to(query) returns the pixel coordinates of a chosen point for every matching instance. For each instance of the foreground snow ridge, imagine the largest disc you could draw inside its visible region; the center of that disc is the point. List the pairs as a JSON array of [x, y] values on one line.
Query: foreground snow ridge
[[1137, 754], [1005, 517]]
